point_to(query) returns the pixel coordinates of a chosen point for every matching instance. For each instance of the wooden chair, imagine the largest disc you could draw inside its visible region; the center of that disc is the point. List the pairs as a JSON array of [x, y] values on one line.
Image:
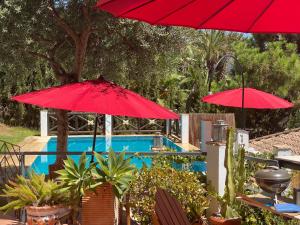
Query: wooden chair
[[167, 210]]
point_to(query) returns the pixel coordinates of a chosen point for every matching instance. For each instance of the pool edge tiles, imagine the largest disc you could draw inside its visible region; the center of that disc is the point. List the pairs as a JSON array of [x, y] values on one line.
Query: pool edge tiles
[[176, 145]]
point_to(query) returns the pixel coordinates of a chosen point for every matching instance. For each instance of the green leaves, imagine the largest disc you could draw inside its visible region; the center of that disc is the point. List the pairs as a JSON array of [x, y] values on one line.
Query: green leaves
[[116, 170], [77, 178], [183, 185], [33, 191]]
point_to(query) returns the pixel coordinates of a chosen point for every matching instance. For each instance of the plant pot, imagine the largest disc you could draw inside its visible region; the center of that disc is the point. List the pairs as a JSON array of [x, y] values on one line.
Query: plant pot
[[100, 207], [215, 220], [46, 214], [200, 221]]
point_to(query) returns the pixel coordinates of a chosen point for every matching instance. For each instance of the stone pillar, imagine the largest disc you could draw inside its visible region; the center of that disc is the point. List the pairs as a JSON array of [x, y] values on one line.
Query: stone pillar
[[216, 172], [108, 125], [44, 123], [184, 128]]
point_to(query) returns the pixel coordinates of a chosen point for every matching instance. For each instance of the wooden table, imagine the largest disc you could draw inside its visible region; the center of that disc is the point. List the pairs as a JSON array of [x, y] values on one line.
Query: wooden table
[[263, 201]]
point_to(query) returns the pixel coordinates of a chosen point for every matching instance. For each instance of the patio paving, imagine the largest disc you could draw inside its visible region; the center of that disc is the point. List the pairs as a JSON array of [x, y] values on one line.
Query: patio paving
[[8, 220]]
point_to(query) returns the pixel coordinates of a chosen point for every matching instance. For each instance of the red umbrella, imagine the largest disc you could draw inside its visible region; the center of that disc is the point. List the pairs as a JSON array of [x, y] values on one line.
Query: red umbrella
[[252, 98], [254, 16], [97, 96]]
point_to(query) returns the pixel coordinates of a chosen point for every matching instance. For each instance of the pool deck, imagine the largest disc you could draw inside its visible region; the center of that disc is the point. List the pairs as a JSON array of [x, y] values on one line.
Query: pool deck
[[33, 144], [187, 147]]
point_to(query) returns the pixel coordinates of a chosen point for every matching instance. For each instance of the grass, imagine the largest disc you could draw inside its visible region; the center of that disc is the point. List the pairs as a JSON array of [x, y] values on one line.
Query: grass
[[15, 134]]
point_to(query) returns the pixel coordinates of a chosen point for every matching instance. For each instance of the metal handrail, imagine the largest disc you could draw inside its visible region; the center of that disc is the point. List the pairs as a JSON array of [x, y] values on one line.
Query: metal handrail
[[196, 153], [10, 161]]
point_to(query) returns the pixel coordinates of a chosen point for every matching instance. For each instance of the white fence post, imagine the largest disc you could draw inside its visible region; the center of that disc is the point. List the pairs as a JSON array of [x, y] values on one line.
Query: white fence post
[[184, 128], [167, 127], [108, 125], [44, 123]]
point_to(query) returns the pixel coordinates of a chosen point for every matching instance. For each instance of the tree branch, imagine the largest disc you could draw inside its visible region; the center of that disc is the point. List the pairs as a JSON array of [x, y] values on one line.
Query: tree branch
[[81, 46], [85, 12], [62, 23], [57, 67]]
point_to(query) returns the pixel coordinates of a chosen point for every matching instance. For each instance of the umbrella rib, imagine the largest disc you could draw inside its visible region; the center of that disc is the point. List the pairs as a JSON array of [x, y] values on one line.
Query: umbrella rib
[[135, 8], [174, 11], [260, 15], [215, 13]]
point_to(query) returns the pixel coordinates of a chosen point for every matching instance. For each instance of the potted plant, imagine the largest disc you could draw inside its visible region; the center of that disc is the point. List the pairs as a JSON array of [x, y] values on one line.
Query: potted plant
[[45, 202], [99, 186], [114, 174], [77, 179], [235, 179]]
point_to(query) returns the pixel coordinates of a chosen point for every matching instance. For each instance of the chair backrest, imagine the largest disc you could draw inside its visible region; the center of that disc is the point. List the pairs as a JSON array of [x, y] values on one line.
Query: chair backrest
[[168, 210]]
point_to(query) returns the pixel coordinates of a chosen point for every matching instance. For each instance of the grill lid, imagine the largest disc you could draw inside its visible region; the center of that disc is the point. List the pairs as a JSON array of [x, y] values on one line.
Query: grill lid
[[272, 174]]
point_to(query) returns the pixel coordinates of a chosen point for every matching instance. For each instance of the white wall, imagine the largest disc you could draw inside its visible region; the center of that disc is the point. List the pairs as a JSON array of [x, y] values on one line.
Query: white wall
[[184, 128]]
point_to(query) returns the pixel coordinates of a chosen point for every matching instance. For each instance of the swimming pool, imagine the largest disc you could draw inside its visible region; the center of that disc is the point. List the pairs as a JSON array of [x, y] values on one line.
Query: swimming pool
[[103, 143]]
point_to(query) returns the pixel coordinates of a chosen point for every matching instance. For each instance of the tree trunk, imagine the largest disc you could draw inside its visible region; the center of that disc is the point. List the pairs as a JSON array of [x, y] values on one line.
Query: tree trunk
[[62, 134], [62, 128]]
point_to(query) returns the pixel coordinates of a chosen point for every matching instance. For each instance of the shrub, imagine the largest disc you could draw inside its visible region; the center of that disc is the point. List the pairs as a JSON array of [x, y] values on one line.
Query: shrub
[[183, 185], [33, 191]]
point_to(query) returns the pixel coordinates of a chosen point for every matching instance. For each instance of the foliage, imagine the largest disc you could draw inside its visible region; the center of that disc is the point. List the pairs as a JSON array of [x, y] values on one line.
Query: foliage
[[34, 191], [235, 179], [240, 170], [294, 119], [275, 70], [40, 48], [183, 185], [255, 216], [15, 135], [229, 199], [77, 178], [115, 170]]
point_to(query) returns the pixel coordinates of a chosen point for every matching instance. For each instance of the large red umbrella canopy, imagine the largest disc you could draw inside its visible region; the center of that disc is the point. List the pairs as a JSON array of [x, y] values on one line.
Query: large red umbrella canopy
[[97, 96], [254, 16], [253, 98]]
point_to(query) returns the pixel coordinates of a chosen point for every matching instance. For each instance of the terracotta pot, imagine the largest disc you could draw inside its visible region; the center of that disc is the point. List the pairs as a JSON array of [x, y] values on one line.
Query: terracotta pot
[[214, 220], [100, 208], [46, 214], [200, 221]]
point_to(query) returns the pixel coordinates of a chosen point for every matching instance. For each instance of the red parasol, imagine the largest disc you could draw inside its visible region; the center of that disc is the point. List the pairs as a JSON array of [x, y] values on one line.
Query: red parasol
[[255, 16]]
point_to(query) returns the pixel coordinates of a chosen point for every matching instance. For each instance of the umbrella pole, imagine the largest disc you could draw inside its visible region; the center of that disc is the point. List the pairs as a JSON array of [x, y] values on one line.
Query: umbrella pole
[[243, 103], [94, 138]]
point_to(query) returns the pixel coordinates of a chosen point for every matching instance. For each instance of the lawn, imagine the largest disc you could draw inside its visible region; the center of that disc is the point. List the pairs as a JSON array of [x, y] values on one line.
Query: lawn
[[15, 134]]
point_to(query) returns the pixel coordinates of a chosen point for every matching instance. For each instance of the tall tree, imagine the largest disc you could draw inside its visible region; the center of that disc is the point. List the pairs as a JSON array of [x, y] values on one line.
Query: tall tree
[[275, 70], [76, 40], [205, 51]]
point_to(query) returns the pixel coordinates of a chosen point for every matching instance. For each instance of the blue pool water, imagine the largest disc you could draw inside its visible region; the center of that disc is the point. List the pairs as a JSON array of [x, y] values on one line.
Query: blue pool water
[[117, 143]]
